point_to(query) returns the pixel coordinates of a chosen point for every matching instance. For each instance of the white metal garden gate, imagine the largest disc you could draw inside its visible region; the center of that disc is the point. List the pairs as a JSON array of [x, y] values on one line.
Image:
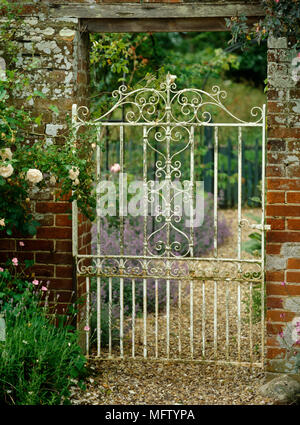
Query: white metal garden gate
[[209, 318]]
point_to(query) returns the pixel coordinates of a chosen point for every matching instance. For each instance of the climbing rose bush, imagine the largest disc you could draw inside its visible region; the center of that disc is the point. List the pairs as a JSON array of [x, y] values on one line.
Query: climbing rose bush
[[28, 162]]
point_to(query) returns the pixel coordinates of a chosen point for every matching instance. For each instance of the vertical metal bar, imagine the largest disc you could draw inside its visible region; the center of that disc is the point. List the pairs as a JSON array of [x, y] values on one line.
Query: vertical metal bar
[[203, 319], [98, 316], [250, 321], [239, 191], [168, 317], [191, 198], [192, 318], [215, 318], [133, 318], [109, 315], [239, 319], [145, 235], [122, 200], [239, 247], [145, 315], [87, 317], [179, 318], [156, 318], [98, 227], [98, 192], [263, 237], [227, 321], [215, 236], [74, 203], [122, 214], [215, 192], [145, 140], [121, 317]]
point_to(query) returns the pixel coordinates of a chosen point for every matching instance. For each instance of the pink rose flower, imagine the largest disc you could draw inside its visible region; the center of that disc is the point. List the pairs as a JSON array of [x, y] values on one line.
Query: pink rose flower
[[1, 269], [15, 261], [44, 288], [115, 168], [35, 282], [21, 244], [86, 328]]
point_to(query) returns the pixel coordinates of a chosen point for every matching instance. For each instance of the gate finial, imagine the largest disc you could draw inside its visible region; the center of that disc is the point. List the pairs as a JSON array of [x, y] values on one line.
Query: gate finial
[[170, 78]]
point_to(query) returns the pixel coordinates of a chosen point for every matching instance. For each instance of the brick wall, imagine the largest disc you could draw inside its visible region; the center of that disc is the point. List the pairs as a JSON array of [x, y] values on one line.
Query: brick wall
[[283, 206]]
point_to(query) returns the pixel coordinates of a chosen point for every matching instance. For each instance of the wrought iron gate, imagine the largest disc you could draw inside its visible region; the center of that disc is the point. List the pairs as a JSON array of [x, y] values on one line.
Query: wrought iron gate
[[166, 302]]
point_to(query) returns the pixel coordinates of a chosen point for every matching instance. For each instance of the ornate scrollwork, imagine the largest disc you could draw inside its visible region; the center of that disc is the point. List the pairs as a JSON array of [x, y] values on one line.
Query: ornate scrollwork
[[167, 104], [176, 268], [168, 117]]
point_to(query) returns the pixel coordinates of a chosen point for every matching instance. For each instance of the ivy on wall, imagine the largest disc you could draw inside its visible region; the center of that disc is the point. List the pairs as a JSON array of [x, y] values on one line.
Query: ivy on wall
[[282, 19]]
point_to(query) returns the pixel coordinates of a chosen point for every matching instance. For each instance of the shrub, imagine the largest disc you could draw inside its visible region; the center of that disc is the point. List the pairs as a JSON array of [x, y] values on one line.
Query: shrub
[[38, 360], [28, 162]]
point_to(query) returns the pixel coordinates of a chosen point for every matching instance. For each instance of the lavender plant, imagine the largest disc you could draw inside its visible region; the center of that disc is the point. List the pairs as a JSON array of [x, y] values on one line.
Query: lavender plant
[[133, 245]]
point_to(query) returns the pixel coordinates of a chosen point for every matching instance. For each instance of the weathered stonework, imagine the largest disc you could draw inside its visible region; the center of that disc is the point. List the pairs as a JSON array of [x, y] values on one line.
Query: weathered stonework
[[283, 210]]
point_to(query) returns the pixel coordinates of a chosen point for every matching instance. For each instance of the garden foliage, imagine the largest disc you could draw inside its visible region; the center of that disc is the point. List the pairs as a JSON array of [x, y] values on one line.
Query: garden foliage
[[39, 361]]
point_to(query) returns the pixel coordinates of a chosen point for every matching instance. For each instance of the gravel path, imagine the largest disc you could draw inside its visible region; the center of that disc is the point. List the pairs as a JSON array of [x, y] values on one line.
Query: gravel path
[[138, 382]]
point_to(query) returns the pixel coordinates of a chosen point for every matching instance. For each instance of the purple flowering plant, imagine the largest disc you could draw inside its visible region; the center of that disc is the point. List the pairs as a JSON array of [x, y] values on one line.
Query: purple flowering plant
[[133, 245]]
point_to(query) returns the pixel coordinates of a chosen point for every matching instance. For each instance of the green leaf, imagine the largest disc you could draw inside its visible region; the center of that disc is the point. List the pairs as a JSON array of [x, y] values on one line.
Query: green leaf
[[39, 94], [38, 120], [28, 263], [54, 109]]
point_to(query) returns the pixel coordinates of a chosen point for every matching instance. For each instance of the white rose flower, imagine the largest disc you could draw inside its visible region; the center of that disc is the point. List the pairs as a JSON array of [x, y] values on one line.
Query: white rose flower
[[2, 222], [52, 180], [74, 173], [6, 154], [34, 176], [171, 78], [76, 182], [6, 171]]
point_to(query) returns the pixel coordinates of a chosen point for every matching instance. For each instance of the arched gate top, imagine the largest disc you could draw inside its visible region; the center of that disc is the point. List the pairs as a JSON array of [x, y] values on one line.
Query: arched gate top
[[167, 105]]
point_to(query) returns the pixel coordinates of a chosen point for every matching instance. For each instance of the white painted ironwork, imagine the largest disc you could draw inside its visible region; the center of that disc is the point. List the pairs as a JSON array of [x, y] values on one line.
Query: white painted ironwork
[[167, 116]]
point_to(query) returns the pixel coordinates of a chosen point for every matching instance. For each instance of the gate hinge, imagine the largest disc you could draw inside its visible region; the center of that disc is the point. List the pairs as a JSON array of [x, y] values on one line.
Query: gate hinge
[[260, 226]]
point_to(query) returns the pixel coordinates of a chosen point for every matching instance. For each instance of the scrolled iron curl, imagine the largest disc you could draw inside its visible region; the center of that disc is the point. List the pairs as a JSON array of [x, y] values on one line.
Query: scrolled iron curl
[[218, 93], [257, 111], [159, 136], [82, 113], [206, 116], [120, 91]]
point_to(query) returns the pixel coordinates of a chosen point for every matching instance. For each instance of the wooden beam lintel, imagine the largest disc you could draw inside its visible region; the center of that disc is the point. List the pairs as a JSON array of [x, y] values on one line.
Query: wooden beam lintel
[[156, 25], [156, 10]]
